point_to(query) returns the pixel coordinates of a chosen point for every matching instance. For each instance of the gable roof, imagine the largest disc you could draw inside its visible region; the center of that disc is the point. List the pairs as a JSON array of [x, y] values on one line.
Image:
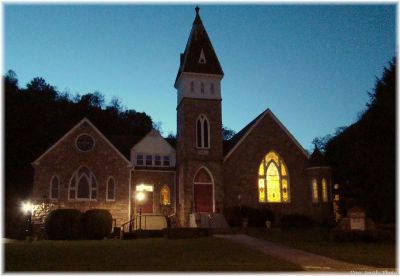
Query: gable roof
[[232, 144], [154, 133], [84, 120], [317, 159], [197, 47]]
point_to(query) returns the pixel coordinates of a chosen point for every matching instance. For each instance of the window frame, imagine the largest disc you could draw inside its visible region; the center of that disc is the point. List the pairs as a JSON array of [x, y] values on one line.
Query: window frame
[[165, 158], [203, 120], [108, 189], [155, 160], [142, 159], [73, 185], [85, 134], [51, 188], [262, 182], [149, 159]]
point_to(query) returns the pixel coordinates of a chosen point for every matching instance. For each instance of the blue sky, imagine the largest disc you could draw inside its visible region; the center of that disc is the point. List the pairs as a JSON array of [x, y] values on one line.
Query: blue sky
[[312, 65]]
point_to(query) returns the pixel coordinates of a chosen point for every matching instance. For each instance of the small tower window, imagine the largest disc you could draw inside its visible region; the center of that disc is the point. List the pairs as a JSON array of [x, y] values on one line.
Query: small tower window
[[202, 58], [212, 88], [202, 88], [203, 132]]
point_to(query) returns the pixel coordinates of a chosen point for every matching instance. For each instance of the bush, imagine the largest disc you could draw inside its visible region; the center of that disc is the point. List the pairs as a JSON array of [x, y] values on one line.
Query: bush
[[95, 224], [296, 221], [63, 224], [255, 217], [185, 233]]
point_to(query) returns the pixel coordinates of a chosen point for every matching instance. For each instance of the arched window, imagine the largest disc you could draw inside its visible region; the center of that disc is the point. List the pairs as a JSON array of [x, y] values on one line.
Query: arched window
[[191, 86], [324, 190], [314, 187], [164, 195], [83, 185], [273, 180], [203, 132], [202, 88], [110, 189], [54, 187]]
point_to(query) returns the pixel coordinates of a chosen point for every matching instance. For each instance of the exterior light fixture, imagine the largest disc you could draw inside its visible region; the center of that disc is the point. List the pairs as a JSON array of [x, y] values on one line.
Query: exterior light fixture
[[140, 196]]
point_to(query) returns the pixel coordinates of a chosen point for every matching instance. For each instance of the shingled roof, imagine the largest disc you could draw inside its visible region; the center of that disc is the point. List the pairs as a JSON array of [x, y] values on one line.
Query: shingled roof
[[199, 43]]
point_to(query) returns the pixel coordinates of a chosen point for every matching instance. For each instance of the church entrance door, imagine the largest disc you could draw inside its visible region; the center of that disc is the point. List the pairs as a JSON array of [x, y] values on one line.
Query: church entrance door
[[203, 197]]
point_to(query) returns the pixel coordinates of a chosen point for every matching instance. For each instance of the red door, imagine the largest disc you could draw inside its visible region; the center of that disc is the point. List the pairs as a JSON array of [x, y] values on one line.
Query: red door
[[203, 197], [147, 205]]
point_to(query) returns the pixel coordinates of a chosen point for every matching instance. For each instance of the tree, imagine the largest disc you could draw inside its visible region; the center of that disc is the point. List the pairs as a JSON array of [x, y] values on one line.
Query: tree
[[227, 133], [363, 155]]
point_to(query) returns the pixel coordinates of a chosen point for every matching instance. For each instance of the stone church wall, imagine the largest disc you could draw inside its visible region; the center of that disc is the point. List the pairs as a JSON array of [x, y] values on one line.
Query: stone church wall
[[241, 169], [64, 159]]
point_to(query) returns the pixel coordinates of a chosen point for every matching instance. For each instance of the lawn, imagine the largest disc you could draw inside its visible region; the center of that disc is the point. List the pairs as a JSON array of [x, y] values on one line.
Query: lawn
[[155, 254], [379, 254]]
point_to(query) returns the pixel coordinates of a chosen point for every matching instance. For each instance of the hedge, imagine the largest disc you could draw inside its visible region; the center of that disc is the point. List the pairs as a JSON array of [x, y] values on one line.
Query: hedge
[[63, 224], [95, 224]]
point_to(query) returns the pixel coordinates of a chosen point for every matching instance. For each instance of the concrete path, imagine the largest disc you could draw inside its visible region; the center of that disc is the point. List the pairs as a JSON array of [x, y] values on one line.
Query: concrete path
[[308, 261]]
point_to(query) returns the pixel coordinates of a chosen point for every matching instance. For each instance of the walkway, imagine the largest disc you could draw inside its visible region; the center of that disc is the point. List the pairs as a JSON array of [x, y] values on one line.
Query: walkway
[[308, 261]]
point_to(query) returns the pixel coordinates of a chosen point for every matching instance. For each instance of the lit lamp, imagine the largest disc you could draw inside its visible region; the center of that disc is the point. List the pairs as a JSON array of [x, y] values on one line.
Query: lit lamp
[[140, 197], [27, 208]]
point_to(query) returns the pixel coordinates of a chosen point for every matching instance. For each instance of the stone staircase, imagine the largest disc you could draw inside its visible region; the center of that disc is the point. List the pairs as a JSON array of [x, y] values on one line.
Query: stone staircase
[[214, 221]]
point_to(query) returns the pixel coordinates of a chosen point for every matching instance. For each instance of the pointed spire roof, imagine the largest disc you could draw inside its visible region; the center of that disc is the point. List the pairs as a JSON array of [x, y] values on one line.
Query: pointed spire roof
[[199, 55]]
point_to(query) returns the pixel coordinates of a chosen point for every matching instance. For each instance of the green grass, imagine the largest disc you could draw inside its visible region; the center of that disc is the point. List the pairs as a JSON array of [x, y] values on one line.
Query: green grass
[[156, 254], [315, 240]]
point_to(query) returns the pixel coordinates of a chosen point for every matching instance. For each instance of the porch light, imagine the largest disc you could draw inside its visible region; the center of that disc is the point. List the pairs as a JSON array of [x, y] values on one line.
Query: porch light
[[140, 196]]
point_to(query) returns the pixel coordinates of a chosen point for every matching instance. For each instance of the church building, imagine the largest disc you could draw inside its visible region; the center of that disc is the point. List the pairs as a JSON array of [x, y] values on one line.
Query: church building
[[195, 179]]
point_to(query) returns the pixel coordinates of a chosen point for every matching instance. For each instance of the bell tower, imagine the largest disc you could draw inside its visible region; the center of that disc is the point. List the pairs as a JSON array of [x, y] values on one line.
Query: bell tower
[[199, 127]]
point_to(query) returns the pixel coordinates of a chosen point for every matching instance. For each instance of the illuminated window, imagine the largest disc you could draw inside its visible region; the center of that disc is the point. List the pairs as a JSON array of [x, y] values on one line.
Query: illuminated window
[[111, 189], [324, 190], [54, 187], [203, 132], [83, 185], [314, 190], [164, 195], [273, 181]]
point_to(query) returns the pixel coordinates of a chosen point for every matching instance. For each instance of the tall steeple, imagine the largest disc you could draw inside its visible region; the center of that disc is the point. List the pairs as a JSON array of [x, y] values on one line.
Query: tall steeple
[[199, 55]]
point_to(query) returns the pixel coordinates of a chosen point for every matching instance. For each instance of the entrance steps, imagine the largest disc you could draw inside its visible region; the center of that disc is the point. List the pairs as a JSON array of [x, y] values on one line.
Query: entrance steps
[[214, 221]]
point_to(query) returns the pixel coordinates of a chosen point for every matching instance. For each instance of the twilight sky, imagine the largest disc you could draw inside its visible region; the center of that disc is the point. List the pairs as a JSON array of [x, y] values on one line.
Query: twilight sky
[[312, 65]]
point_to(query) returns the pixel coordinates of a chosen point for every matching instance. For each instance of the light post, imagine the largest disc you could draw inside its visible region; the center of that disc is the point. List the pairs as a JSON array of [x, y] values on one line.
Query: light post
[[140, 196], [27, 209]]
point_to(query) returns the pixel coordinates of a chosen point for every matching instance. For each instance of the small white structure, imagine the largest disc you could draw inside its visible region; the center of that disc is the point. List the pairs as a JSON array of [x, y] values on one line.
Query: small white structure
[[356, 216]]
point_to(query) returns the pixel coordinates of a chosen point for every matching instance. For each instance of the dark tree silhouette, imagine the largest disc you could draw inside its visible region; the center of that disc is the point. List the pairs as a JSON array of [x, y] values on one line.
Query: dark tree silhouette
[[227, 133], [36, 117], [363, 155]]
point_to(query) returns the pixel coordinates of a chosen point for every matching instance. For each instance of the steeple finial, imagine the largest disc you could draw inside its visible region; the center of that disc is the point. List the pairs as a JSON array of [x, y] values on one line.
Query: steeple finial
[[197, 10]]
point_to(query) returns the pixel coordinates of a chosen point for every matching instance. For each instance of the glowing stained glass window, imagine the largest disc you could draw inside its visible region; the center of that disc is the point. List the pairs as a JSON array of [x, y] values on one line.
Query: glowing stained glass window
[[314, 190], [285, 190], [273, 182], [324, 190], [164, 195], [261, 170], [283, 169], [261, 190]]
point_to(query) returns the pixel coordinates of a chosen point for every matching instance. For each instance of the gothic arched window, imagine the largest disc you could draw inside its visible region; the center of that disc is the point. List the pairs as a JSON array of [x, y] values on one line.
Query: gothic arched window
[[203, 132], [83, 185], [110, 189], [314, 188], [273, 179], [324, 190], [164, 195], [54, 187]]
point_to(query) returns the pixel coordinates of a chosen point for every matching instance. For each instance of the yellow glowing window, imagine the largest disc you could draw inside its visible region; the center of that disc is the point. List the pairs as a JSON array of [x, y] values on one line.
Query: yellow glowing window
[[164, 195], [314, 190], [324, 191], [261, 170], [273, 182], [261, 190]]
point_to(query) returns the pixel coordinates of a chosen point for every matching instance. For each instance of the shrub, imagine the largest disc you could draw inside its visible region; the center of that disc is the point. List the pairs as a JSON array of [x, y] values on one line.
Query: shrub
[[95, 224], [295, 221], [255, 217], [185, 233], [63, 224]]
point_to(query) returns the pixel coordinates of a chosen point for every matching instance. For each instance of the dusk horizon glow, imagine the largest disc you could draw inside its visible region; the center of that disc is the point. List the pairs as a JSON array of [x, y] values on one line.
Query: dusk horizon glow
[[312, 65]]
